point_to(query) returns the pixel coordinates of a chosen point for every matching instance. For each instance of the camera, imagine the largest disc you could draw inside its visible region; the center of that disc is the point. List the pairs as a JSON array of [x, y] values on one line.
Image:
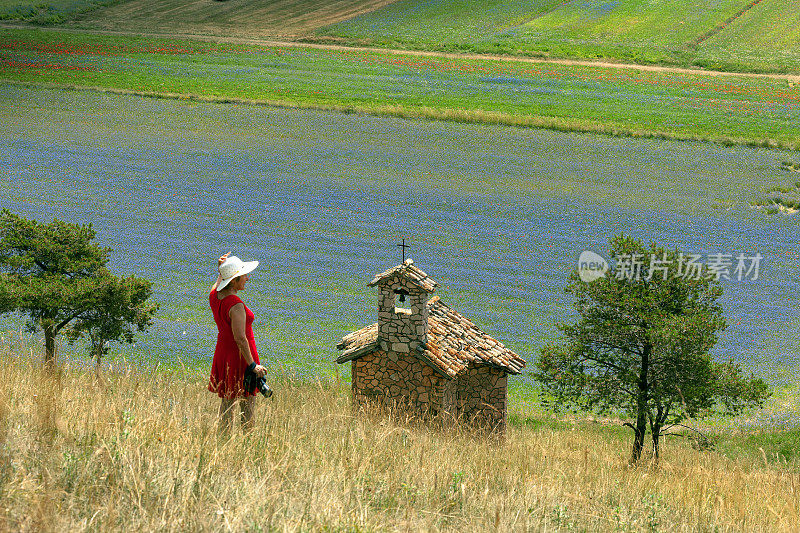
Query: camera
[[252, 382]]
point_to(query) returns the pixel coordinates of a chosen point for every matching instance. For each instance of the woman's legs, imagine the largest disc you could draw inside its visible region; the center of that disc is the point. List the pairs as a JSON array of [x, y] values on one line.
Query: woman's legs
[[226, 415], [247, 403], [246, 406]]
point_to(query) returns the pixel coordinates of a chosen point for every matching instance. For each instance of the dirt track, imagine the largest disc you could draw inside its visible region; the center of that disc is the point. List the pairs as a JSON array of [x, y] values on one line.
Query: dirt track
[[791, 78]]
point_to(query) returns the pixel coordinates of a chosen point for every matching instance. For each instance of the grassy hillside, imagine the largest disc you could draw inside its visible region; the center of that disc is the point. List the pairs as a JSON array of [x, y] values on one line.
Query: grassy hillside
[[529, 22], [657, 31], [444, 22], [242, 18], [140, 452], [753, 111], [662, 24], [50, 12], [769, 33], [745, 35]]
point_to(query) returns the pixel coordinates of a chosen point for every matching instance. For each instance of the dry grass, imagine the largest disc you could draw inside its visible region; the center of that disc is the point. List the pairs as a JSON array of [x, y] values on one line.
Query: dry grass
[[141, 452]]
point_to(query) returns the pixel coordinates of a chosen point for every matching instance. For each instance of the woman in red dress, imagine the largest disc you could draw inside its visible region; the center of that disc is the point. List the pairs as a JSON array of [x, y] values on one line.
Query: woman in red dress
[[236, 347]]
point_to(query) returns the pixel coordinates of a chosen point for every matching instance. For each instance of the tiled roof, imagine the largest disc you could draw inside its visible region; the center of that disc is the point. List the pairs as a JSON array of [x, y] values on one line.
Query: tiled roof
[[358, 343], [453, 343], [409, 271]]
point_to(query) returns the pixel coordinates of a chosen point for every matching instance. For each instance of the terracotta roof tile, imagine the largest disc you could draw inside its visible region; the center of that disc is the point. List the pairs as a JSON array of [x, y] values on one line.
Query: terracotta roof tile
[[359, 338], [453, 343], [458, 341], [409, 271]]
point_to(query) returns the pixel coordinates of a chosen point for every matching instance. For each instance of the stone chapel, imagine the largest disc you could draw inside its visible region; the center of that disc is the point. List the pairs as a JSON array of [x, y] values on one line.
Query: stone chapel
[[424, 356]]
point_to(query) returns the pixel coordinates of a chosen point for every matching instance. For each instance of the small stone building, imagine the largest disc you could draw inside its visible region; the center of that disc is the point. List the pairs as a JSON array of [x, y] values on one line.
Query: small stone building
[[424, 356]]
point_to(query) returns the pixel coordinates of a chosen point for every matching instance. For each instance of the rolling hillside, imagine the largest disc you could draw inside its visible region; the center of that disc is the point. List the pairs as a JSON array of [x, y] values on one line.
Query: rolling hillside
[[240, 18], [529, 22], [52, 12], [767, 33], [729, 34], [737, 35]]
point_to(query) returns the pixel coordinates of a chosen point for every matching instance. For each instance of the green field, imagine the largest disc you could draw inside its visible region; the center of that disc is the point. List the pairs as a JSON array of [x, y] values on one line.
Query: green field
[[731, 110], [765, 37], [733, 35], [285, 19], [52, 12], [768, 34], [533, 24]]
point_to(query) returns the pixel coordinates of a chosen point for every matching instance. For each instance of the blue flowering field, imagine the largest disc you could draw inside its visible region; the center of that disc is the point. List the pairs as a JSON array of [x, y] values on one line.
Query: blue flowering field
[[498, 216]]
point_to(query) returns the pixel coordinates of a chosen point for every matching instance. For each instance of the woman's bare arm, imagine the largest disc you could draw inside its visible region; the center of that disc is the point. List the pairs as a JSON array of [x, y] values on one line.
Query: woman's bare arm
[[219, 276], [238, 320], [214, 286]]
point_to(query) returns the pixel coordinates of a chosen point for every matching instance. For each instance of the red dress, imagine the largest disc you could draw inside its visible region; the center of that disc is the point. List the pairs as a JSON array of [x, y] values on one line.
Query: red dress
[[227, 368]]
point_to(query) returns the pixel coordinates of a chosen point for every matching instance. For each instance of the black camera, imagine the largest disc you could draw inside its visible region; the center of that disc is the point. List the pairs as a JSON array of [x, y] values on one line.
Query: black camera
[[252, 382]]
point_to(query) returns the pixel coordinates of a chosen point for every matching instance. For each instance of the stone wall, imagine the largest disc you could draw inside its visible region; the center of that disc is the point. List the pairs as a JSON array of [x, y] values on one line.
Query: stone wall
[[397, 380], [401, 330], [478, 397]]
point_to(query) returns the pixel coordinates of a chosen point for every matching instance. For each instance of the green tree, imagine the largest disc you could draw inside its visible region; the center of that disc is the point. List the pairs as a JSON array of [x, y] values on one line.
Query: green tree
[[642, 344], [117, 309], [55, 275]]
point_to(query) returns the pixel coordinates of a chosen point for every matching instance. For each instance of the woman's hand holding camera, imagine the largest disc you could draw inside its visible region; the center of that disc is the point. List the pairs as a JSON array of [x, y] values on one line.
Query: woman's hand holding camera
[[259, 370]]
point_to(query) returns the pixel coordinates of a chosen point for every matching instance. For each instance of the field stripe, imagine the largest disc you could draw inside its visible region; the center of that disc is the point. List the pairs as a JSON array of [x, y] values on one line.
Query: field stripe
[[722, 25], [794, 78], [241, 17], [555, 7], [547, 12], [467, 116]]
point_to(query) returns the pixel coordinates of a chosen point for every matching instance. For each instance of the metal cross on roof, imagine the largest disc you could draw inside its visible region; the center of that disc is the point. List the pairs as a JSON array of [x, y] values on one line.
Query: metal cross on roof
[[403, 248]]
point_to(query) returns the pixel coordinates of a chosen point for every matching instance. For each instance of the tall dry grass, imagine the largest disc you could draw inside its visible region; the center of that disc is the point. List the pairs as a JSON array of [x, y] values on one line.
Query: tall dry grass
[[140, 451]]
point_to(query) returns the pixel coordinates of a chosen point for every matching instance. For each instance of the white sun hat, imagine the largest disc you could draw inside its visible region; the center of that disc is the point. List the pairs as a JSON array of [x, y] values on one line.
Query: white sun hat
[[233, 267]]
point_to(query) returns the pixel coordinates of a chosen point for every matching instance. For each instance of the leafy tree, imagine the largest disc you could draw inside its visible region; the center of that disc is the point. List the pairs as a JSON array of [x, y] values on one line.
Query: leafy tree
[[642, 344], [56, 275], [116, 310]]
